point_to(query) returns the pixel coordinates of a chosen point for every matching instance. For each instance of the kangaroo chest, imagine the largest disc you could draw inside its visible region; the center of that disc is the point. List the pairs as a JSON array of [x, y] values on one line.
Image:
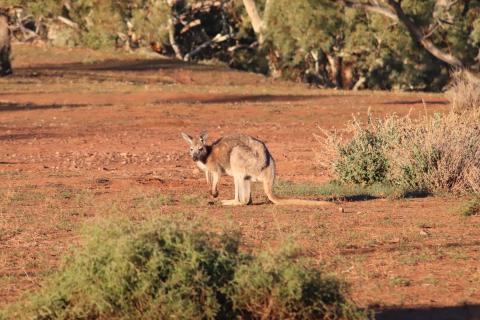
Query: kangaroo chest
[[201, 165]]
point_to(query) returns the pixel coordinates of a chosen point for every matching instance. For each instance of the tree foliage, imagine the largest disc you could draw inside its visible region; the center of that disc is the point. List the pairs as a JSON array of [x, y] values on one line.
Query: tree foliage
[[383, 44]]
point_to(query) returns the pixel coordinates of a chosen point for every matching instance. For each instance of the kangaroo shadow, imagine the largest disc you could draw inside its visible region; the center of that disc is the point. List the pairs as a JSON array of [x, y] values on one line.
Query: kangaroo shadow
[[369, 197]]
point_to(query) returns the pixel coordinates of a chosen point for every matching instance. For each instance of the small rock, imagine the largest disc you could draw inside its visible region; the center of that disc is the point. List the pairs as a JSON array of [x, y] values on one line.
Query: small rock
[[424, 233], [341, 209], [102, 180]]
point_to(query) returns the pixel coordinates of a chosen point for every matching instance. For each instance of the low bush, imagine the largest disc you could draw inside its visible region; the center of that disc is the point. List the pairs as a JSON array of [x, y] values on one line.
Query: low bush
[[272, 287], [362, 160], [471, 207], [432, 154], [160, 270]]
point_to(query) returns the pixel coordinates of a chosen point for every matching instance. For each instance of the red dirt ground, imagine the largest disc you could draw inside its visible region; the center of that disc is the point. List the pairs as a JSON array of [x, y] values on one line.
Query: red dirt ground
[[86, 135]]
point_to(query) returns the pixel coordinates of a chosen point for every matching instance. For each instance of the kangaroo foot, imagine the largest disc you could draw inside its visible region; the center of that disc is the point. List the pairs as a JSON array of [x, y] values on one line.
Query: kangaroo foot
[[232, 202]]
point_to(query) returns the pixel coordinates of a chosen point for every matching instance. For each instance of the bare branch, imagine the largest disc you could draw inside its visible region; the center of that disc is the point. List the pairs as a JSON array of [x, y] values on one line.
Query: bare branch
[[421, 39], [432, 28], [413, 30], [371, 8], [451, 4], [68, 22], [217, 39]]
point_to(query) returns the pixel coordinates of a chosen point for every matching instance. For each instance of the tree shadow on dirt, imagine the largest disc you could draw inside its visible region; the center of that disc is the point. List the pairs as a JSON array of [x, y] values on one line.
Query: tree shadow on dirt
[[119, 70], [32, 106], [229, 98], [25, 136], [128, 65], [409, 102], [463, 312], [394, 247]]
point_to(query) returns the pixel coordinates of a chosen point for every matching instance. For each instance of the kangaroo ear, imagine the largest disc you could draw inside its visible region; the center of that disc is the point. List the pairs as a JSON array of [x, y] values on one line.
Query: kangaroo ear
[[203, 136], [187, 138]]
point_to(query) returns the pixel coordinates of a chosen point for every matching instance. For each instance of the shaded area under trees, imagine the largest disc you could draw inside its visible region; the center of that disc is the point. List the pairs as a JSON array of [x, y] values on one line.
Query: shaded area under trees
[[353, 44]]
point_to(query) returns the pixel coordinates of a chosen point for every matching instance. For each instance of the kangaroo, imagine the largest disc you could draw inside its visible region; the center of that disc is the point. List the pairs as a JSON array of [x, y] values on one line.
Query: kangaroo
[[5, 47], [244, 158]]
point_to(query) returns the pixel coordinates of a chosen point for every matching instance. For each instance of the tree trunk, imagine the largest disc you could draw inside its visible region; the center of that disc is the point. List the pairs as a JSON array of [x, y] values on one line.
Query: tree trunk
[[171, 38], [257, 22], [335, 70], [315, 56]]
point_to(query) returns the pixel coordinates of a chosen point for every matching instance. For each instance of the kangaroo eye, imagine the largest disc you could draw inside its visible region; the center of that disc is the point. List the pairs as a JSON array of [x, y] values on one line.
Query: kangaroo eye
[[191, 149]]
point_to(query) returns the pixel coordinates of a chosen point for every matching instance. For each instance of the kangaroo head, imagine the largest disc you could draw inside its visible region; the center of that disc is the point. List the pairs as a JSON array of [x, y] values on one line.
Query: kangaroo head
[[198, 147]]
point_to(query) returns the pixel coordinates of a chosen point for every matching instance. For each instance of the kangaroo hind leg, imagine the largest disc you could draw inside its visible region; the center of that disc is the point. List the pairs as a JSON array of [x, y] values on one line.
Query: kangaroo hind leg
[[238, 193], [245, 195]]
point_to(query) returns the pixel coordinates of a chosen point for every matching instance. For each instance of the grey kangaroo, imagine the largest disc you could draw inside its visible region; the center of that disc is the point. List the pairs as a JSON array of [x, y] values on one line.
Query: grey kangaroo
[[6, 67], [244, 158]]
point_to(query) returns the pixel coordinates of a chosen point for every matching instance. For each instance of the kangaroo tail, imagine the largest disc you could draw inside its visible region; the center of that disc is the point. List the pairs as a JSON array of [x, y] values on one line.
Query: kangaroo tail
[[268, 181]]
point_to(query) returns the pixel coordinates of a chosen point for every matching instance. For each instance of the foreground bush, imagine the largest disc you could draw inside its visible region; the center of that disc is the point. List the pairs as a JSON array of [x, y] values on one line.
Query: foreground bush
[[272, 287], [160, 271]]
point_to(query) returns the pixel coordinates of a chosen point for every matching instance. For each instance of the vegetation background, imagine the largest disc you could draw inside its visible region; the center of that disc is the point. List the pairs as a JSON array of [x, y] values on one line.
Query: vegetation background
[[353, 44]]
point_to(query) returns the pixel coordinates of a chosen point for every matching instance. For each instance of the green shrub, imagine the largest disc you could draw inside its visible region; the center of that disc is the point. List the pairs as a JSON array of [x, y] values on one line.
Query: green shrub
[[471, 207], [160, 270], [362, 160]]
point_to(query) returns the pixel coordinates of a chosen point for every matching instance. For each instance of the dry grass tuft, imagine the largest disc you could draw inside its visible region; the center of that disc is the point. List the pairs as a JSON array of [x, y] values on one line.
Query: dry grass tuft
[[433, 154], [464, 92]]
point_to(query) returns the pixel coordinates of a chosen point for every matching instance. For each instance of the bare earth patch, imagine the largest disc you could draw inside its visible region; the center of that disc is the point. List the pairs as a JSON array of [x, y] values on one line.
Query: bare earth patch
[[87, 135]]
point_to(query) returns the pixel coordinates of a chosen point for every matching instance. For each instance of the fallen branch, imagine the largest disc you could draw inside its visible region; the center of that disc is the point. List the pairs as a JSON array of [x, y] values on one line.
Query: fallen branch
[[190, 25], [27, 34], [217, 39], [68, 22]]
